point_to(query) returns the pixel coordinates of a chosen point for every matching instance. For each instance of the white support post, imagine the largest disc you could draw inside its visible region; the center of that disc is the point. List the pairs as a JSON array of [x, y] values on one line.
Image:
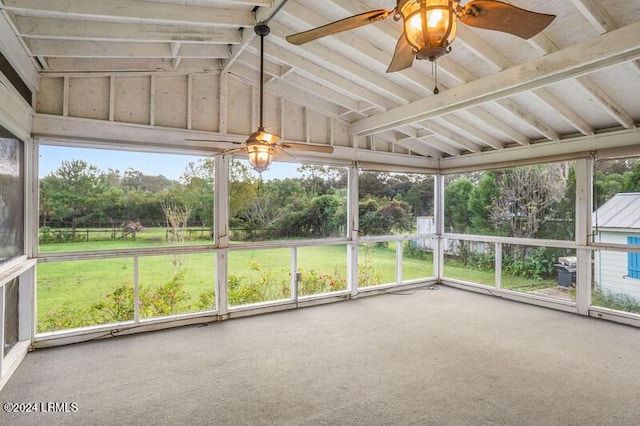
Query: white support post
[[222, 300], [353, 230], [498, 265], [2, 315], [32, 189], [26, 329], [136, 290], [438, 252], [294, 274], [584, 201], [221, 202], [221, 230], [398, 262]]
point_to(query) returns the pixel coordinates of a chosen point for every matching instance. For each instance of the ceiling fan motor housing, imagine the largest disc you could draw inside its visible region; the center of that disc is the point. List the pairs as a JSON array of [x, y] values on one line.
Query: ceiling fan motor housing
[[261, 29]]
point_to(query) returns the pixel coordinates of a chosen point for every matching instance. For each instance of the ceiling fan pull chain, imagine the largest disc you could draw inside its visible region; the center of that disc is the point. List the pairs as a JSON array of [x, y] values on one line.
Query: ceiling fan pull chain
[[434, 70]]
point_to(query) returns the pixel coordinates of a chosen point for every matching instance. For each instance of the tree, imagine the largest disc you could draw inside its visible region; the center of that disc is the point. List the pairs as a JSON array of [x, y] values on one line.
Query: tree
[[420, 196], [526, 198], [318, 180], [243, 184], [457, 215], [480, 203], [390, 216], [73, 190], [177, 215], [319, 219], [631, 179], [197, 190]]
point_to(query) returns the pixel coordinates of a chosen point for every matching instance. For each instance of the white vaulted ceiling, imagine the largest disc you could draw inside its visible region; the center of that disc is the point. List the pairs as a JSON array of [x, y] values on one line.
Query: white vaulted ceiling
[[577, 81]]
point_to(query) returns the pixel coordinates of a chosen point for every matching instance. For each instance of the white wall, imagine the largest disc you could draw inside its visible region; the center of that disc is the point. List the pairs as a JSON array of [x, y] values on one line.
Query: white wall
[[611, 268]]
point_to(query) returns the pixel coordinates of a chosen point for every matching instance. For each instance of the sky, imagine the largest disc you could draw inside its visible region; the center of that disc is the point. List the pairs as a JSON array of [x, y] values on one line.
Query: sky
[[170, 166]]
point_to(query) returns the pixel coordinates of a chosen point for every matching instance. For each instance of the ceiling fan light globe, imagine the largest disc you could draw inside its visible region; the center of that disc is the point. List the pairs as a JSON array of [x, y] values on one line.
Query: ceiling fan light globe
[[429, 26], [260, 157]]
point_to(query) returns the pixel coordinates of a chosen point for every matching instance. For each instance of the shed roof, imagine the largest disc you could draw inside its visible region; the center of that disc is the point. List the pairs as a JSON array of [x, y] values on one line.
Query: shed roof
[[622, 211]]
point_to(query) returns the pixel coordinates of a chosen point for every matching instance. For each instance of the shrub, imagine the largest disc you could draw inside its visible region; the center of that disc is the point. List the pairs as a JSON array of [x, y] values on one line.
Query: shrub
[[118, 306], [313, 282], [538, 265], [412, 251], [617, 301]]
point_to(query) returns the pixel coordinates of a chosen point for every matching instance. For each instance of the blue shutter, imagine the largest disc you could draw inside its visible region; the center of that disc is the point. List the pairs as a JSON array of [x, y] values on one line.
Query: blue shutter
[[633, 259]]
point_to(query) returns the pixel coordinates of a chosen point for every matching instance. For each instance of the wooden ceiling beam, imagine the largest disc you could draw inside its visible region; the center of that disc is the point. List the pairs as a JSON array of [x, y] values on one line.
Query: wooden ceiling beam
[[35, 27], [589, 56], [130, 11]]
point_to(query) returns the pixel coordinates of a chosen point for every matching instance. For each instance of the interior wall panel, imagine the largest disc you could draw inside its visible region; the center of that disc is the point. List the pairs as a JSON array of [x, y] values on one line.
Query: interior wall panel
[[131, 99], [272, 114], [319, 129], [240, 105], [294, 122], [171, 101], [50, 99], [89, 97], [205, 109], [340, 134]]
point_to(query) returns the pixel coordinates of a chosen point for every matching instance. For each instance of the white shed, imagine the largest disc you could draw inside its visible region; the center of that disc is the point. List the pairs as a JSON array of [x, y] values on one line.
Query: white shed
[[618, 221]]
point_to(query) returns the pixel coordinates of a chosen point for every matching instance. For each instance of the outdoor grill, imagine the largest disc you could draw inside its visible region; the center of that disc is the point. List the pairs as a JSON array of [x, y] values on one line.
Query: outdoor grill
[[566, 268]]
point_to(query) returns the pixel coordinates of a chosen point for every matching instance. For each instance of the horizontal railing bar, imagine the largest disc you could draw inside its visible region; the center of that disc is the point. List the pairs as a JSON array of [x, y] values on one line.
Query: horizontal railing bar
[[513, 240], [614, 247]]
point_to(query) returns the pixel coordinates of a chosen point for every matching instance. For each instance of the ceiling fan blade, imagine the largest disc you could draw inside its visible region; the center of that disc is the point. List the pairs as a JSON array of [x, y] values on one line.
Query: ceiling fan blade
[[339, 26], [498, 16], [229, 151], [403, 56], [327, 149], [278, 150], [212, 140]]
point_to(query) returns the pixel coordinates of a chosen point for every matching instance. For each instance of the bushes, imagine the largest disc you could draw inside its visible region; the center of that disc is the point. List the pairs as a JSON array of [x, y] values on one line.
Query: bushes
[[313, 282], [170, 298], [620, 302], [538, 265], [534, 263], [118, 306]]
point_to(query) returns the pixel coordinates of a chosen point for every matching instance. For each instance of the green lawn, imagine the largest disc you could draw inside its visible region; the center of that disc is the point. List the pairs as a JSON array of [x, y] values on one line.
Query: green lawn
[[150, 237], [77, 285], [254, 275], [454, 268]]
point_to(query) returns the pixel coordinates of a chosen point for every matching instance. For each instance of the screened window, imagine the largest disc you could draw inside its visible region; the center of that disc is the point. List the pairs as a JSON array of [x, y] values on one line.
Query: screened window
[[92, 199], [287, 201], [527, 202], [11, 197], [395, 203]]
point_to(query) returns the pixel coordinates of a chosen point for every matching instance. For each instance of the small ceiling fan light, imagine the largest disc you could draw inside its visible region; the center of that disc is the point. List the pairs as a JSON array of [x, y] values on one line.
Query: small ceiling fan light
[[429, 26]]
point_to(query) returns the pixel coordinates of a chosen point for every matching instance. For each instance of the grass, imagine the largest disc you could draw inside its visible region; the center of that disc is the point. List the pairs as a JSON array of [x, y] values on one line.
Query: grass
[[150, 237], [77, 285], [456, 269]]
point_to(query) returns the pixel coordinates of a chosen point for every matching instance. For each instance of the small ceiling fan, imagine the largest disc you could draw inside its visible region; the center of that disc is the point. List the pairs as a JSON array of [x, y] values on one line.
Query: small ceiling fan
[[430, 25], [261, 145]]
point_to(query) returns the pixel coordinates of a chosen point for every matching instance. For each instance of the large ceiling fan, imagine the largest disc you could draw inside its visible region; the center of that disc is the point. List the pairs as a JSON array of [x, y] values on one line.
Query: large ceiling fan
[[261, 146], [430, 25]]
